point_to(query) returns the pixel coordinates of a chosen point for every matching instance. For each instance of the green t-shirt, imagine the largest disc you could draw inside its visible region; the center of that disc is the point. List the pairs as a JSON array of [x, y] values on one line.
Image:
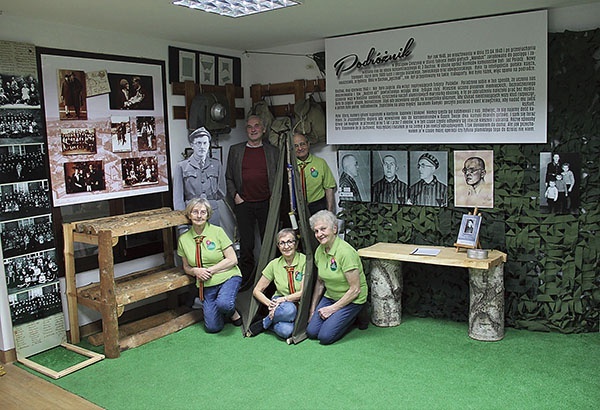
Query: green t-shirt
[[331, 267], [275, 271], [318, 177], [214, 243]]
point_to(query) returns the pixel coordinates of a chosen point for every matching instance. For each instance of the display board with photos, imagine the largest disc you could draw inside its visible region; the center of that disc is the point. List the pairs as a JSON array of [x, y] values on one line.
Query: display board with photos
[[106, 126], [29, 265]]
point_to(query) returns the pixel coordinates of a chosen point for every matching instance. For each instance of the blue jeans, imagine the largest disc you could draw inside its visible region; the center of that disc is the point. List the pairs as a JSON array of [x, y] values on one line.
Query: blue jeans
[[283, 320], [333, 328], [219, 303]]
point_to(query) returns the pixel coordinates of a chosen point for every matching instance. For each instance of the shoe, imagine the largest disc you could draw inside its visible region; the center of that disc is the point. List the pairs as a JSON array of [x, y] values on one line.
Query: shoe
[[238, 321], [255, 329], [197, 303], [363, 318]]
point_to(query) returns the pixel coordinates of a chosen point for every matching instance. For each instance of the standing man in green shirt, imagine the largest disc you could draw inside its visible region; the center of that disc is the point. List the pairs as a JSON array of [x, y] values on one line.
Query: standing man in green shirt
[[318, 183]]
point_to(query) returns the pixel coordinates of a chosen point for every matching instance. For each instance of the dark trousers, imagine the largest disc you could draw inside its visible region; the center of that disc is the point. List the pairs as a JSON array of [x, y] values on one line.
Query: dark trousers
[[248, 215], [314, 207]]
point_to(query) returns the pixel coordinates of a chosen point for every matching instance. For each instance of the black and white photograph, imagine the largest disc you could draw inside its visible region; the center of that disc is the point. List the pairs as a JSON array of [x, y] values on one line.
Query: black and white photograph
[[131, 92], [146, 137], [24, 199], [474, 179], [72, 98], [22, 162], [78, 141], [468, 234], [428, 173], [560, 180], [36, 303], [30, 270], [26, 235], [120, 132], [139, 171], [21, 126], [84, 176], [18, 91], [354, 169], [390, 177]]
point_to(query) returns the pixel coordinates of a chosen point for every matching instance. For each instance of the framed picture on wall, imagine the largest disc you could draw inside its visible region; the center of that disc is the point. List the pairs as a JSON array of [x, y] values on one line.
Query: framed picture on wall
[[207, 69], [187, 66], [225, 70]]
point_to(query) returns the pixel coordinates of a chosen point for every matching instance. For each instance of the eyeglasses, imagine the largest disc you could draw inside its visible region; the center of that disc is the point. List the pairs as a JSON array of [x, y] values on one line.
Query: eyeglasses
[[471, 170], [197, 212], [301, 144], [291, 242]]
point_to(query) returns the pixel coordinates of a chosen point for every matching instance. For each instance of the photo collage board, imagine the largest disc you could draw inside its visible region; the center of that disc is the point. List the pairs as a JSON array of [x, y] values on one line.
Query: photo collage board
[[106, 130]]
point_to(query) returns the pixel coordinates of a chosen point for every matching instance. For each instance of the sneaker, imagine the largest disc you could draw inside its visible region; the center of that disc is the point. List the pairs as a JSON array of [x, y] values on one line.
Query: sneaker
[[197, 303], [238, 321]]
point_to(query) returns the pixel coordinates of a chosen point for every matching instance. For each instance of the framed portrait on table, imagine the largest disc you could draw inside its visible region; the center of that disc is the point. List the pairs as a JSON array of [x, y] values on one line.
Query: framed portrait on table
[[468, 235]]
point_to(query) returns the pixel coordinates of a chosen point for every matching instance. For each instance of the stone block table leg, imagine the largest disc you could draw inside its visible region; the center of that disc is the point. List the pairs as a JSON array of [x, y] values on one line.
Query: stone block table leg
[[486, 309], [386, 292]]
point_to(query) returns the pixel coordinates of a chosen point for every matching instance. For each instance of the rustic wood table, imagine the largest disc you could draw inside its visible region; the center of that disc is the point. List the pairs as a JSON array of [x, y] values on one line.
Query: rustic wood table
[[486, 284]]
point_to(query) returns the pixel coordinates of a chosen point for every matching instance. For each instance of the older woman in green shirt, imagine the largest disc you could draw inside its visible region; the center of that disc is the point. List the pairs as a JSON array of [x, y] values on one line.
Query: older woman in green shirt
[[208, 255], [341, 288]]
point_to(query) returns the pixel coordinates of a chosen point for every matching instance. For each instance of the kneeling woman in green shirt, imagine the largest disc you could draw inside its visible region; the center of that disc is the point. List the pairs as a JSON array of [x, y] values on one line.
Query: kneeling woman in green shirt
[[208, 255], [287, 272], [341, 288]]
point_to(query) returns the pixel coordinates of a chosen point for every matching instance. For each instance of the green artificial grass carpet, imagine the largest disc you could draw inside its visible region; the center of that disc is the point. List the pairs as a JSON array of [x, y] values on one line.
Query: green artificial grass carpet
[[422, 364]]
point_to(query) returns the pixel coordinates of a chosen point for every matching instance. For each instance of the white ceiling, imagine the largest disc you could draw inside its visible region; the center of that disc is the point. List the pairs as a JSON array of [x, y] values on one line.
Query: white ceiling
[[313, 20]]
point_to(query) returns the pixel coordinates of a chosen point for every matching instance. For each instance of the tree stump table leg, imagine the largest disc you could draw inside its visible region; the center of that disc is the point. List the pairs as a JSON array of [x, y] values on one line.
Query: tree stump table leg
[[386, 292], [486, 309]]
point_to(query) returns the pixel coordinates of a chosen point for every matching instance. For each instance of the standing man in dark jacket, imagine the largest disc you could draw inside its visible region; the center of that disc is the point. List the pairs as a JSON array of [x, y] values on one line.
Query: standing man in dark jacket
[[250, 174]]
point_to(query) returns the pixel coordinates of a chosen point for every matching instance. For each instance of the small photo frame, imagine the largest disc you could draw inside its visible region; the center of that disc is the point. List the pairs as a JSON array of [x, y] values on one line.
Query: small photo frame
[[207, 69], [187, 66], [468, 235]]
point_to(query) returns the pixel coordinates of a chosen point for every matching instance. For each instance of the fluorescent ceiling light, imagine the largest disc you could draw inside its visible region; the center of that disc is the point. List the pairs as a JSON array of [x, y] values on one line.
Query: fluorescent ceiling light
[[236, 8]]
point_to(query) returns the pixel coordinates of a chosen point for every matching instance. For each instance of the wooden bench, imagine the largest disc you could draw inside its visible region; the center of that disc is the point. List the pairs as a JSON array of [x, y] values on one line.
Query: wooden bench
[[109, 296]]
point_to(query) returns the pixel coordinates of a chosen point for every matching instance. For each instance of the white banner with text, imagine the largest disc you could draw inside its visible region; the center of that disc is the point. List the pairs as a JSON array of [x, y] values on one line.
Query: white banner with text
[[470, 81]]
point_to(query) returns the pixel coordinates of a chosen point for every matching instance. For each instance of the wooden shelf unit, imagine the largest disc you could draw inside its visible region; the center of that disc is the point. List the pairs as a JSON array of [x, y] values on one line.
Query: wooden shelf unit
[[109, 296]]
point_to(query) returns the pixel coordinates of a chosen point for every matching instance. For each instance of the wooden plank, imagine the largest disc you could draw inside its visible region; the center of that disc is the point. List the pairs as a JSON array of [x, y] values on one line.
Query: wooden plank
[[446, 257], [128, 224], [93, 358], [157, 332], [178, 88], [108, 303], [137, 286], [70, 282], [137, 326]]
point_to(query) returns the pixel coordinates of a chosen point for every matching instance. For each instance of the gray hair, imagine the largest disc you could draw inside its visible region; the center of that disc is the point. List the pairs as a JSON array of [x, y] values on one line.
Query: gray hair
[[323, 216]]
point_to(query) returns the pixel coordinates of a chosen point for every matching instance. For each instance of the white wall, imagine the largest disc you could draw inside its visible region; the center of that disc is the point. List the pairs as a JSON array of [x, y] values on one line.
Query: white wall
[[256, 68]]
